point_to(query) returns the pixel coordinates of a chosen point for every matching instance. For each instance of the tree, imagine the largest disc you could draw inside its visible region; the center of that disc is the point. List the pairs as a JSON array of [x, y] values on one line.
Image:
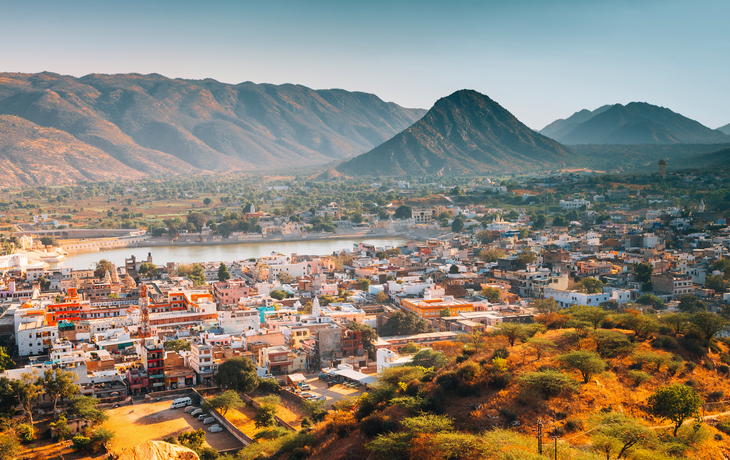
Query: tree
[[539, 222], [675, 403], [59, 384], [381, 297], [148, 269], [8, 396], [237, 374], [723, 265], [49, 241], [540, 345], [545, 305], [492, 294], [592, 315], [491, 254], [61, 428], [101, 437], [409, 349], [548, 383], [650, 299], [265, 415], [678, 323], [587, 363], [525, 258], [429, 358], [612, 344], [708, 325], [207, 201], [617, 433], [691, 304], [405, 323], [403, 212], [457, 225], [178, 345], [5, 361], [363, 284], [369, 337], [9, 446], [590, 286], [27, 390], [226, 401], [512, 332], [102, 267], [642, 272], [716, 283], [223, 274], [86, 407], [192, 439], [195, 272]]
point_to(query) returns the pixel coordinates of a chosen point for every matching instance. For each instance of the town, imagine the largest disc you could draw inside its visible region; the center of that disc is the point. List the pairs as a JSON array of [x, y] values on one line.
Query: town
[[324, 327]]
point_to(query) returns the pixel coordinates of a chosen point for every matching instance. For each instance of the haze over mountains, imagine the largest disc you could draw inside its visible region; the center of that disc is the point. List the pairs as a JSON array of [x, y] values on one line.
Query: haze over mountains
[[725, 129], [57, 129], [633, 123], [463, 133]]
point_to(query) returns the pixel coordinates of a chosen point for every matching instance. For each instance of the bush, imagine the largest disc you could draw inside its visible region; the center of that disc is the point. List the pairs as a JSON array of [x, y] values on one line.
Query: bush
[[548, 383], [611, 344], [694, 345], [690, 366], [723, 369], [608, 324], [500, 380], [709, 365], [666, 342], [716, 395], [511, 416], [674, 366], [25, 432], [208, 453], [341, 423], [638, 377], [80, 443], [448, 380], [574, 424], [269, 386], [501, 353], [724, 426], [376, 424]]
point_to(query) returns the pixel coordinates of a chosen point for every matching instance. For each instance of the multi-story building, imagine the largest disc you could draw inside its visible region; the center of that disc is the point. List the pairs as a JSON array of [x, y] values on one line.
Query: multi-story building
[[352, 343], [431, 308], [567, 298], [153, 359], [201, 362], [672, 284], [227, 293]]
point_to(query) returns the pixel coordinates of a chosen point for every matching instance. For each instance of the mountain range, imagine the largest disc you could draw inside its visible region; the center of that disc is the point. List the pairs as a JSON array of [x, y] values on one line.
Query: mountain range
[[633, 123], [466, 132], [725, 129], [57, 129]]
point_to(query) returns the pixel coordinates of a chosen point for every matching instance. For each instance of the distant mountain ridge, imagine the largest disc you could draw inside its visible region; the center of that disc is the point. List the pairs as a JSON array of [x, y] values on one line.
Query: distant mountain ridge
[[150, 124], [725, 129], [466, 132], [633, 123]]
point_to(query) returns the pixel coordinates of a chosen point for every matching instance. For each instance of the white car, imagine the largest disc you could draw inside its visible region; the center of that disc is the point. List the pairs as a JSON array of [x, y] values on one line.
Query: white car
[[196, 412], [321, 398], [190, 409], [208, 420], [215, 428], [202, 417]]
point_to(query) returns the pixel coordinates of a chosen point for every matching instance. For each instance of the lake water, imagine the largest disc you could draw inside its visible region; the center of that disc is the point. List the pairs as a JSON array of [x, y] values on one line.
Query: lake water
[[222, 252]]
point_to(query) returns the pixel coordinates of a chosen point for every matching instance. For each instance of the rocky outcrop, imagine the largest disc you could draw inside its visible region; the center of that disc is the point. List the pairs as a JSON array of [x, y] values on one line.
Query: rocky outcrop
[[158, 450]]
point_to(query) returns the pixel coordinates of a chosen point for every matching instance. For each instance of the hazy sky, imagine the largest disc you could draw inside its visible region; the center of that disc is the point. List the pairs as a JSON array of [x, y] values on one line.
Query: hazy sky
[[541, 59]]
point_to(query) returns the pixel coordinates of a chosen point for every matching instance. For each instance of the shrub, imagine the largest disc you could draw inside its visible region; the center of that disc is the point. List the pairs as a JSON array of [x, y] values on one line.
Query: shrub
[[269, 386], [511, 416], [724, 426], [501, 353], [611, 344], [208, 453], [716, 395], [709, 365], [548, 383], [272, 433], [694, 345], [674, 366], [500, 380], [666, 342], [725, 358], [690, 366], [448, 380], [723, 369], [341, 423], [25, 432], [574, 424], [653, 361], [376, 424], [587, 363], [638, 377], [80, 443]]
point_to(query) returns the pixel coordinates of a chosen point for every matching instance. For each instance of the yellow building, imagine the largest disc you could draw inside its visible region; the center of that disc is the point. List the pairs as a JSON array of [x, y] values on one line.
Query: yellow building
[[431, 308]]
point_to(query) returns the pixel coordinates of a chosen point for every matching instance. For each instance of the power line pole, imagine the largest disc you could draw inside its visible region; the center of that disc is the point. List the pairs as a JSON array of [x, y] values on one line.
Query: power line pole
[[539, 436], [556, 447]]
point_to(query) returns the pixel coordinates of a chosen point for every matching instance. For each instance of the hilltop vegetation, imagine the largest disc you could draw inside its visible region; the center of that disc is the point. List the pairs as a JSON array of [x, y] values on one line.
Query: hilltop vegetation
[[634, 386]]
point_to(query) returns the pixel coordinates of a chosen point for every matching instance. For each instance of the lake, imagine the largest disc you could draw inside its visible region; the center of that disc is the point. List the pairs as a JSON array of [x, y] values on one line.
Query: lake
[[222, 252]]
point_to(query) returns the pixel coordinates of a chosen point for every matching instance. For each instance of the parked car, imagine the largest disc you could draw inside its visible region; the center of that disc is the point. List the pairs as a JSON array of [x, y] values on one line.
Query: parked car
[[305, 387], [215, 428], [306, 395], [208, 420], [202, 417], [190, 409], [321, 398], [196, 412]]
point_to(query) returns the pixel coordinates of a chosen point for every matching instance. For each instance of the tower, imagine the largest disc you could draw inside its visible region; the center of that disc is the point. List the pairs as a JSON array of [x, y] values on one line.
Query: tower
[[663, 168], [144, 327]]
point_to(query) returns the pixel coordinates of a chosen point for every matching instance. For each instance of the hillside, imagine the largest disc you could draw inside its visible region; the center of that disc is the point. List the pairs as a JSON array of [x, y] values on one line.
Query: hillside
[[561, 127], [718, 159], [463, 133], [157, 125], [591, 387], [725, 129], [644, 157], [640, 123]]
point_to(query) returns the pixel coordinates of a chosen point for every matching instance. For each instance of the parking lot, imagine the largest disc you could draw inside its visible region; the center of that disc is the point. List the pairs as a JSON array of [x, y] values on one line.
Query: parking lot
[[334, 393], [142, 422]]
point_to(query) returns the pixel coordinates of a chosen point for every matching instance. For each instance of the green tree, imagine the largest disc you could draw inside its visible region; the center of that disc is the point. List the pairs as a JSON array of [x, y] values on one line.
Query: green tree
[[560, 221], [86, 407], [363, 284], [369, 337], [9, 446], [541, 346], [723, 265], [237, 374], [540, 222], [691, 304], [223, 274], [403, 212], [381, 297], [278, 294], [642, 272], [512, 332], [49, 241], [707, 324], [429, 358], [410, 348], [592, 315], [148, 269], [101, 437], [612, 344], [715, 282], [61, 428], [192, 439], [59, 384], [651, 300], [178, 345], [195, 272], [525, 258], [226, 401], [457, 225], [207, 201], [587, 363], [27, 390], [548, 383], [5, 361], [265, 415], [675, 403], [8, 396], [618, 433], [678, 323], [404, 323], [492, 294], [590, 286], [545, 305], [491, 254], [102, 267]]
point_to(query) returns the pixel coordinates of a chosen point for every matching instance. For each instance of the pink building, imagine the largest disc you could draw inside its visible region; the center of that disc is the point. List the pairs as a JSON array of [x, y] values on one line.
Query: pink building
[[227, 293]]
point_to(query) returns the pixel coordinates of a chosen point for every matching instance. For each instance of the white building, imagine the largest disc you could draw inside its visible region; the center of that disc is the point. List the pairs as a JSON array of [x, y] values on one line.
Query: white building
[[574, 204], [387, 358], [239, 321], [567, 299]]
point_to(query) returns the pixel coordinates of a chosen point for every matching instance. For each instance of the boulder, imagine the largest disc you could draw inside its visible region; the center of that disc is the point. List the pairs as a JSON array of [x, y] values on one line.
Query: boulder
[[158, 450]]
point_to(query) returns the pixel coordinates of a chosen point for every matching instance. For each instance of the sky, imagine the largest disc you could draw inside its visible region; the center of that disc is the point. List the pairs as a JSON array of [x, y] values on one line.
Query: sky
[[540, 59]]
